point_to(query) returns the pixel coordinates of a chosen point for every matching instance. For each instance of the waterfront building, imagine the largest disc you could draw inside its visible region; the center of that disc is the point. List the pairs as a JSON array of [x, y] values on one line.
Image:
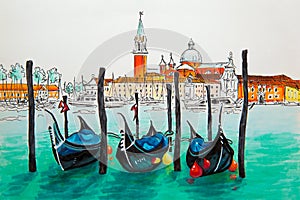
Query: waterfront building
[[19, 92], [270, 89]]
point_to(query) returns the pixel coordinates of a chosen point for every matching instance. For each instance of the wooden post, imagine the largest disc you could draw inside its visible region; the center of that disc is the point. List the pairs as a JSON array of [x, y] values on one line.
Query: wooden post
[[65, 100], [176, 159], [243, 121], [103, 123], [137, 122], [209, 118], [31, 118], [169, 103]]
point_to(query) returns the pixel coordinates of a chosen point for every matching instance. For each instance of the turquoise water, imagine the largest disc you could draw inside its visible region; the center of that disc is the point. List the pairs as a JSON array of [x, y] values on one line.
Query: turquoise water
[[272, 160]]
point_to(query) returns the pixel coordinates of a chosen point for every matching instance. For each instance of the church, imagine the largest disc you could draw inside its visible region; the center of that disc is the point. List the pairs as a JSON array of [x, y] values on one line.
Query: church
[[194, 74]]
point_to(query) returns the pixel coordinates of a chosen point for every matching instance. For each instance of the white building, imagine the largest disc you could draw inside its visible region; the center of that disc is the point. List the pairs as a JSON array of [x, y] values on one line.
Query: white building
[[229, 80]]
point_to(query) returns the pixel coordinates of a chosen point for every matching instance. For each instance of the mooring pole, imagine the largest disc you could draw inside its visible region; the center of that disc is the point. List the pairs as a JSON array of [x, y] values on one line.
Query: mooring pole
[[177, 165], [31, 118], [209, 118], [103, 123], [243, 121], [137, 122], [65, 100], [169, 103]]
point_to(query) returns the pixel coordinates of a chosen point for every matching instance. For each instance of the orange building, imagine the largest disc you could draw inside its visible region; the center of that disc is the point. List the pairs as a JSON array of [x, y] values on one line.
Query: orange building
[[20, 91], [266, 89]]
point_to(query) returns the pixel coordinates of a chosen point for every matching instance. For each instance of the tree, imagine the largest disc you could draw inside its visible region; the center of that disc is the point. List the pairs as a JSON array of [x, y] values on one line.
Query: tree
[[69, 88], [53, 76], [3, 76], [78, 87], [16, 73], [39, 75]]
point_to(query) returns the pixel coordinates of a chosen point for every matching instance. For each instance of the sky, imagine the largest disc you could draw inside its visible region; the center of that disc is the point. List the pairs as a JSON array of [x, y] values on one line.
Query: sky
[[64, 33]]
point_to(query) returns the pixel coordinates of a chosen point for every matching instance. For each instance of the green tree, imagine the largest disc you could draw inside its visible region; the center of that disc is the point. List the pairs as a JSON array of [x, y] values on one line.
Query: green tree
[[78, 87], [3, 76], [69, 88], [16, 74], [53, 75], [39, 75]]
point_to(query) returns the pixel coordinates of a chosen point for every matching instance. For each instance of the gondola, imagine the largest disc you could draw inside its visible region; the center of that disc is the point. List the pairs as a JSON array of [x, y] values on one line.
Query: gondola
[[79, 149], [141, 155], [207, 158]]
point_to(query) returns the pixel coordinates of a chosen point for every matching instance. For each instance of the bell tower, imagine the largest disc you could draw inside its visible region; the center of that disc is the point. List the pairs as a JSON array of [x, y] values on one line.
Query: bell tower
[[140, 51]]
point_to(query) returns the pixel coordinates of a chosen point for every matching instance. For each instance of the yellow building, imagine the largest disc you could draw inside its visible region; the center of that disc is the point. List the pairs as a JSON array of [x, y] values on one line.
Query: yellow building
[[291, 95]]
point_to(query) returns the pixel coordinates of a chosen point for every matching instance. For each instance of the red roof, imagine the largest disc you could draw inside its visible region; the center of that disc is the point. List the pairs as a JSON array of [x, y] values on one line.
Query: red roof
[[272, 80], [23, 87]]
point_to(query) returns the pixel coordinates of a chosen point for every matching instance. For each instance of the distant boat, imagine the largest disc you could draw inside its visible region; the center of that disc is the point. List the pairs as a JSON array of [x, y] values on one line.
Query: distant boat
[[149, 101], [114, 102], [156, 109], [218, 153], [110, 102], [227, 102], [141, 155], [79, 149]]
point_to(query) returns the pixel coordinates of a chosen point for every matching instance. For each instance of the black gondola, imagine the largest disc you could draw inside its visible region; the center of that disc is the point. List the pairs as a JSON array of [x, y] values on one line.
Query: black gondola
[[141, 155], [209, 157], [79, 149]]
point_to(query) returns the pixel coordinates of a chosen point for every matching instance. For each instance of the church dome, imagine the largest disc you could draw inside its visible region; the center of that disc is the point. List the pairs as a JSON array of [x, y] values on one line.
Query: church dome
[[191, 55]]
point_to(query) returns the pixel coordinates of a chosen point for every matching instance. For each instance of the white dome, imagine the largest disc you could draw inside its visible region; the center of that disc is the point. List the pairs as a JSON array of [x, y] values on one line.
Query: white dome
[[191, 54]]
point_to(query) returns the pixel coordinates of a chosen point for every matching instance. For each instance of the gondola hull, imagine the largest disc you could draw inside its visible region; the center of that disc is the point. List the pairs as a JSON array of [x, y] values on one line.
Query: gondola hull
[[141, 155], [136, 161], [79, 149], [70, 157], [219, 156]]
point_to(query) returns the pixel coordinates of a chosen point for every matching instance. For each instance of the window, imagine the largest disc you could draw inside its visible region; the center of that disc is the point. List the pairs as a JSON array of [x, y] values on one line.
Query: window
[[252, 96], [252, 89], [275, 89], [276, 96], [269, 89], [270, 96]]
